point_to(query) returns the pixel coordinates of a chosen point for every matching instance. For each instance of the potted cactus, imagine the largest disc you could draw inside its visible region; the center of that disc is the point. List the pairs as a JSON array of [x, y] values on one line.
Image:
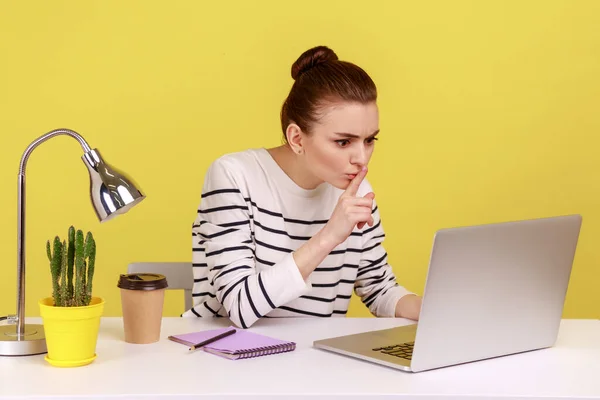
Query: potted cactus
[[71, 317]]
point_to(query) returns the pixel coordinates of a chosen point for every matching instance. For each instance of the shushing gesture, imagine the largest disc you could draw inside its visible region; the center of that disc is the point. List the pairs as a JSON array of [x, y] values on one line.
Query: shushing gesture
[[350, 211]]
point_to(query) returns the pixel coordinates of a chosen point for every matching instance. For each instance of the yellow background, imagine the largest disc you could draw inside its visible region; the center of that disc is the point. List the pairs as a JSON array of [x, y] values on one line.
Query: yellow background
[[489, 112]]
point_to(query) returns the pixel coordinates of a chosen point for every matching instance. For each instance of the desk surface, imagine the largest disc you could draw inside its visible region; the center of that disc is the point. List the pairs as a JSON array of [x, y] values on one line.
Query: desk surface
[[165, 370]]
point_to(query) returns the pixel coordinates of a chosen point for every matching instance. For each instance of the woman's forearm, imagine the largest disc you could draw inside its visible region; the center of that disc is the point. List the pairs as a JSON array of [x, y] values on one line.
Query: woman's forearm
[[312, 253]]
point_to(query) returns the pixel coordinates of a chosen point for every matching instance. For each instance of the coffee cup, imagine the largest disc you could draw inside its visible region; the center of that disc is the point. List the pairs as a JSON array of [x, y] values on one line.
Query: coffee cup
[[142, 299]]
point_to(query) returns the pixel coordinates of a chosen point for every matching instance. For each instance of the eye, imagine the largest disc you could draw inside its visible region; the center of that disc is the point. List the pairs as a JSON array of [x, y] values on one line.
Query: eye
[[342, 142], [371, 140]]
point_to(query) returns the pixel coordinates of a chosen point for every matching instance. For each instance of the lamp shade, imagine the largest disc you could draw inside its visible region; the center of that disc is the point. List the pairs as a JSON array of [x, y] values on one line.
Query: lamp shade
[[111, 191]]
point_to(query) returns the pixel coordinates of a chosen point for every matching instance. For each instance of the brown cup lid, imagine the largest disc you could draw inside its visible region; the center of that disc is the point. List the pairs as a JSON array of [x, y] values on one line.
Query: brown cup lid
[[142, 281]]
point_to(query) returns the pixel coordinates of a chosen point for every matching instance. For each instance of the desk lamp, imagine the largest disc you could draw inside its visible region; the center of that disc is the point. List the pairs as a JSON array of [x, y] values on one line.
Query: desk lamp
[[112, 193]]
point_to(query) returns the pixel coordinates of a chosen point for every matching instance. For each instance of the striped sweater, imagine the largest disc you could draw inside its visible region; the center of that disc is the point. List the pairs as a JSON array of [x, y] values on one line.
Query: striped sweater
[[251, 218]]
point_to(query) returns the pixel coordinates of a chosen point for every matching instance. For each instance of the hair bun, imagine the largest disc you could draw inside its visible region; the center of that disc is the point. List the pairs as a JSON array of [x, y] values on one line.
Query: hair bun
[[311, 58]]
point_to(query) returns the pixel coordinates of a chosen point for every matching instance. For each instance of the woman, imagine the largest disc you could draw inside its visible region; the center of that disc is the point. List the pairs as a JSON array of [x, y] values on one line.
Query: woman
[[290, 231]]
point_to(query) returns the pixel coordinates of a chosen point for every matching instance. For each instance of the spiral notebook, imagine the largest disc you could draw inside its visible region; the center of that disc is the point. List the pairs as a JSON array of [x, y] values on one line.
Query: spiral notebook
[[242, 344]]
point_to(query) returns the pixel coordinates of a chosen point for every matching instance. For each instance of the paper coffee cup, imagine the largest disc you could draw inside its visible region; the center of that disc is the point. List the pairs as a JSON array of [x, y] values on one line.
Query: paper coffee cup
[[142, 299]]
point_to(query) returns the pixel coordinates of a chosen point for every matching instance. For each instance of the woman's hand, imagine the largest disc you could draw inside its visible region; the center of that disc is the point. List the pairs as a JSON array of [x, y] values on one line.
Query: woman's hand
[[350, 211], [409, 306]]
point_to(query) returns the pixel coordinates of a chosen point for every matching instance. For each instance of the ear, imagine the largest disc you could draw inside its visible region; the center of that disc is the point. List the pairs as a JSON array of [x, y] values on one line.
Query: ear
[[295, 137]]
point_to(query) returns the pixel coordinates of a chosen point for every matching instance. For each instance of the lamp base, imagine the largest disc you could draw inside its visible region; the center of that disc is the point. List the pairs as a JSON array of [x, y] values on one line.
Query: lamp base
[[33, 342]]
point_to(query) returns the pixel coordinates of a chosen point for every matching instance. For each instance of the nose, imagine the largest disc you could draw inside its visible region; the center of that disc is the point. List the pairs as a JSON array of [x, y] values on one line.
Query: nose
[[360, 156]]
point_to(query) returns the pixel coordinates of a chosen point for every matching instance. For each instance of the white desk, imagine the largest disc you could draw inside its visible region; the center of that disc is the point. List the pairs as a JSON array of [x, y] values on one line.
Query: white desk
[[165, 370]]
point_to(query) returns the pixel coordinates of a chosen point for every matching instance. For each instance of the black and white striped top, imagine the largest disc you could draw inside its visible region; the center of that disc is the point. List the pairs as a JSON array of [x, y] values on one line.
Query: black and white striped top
[[252, 216]]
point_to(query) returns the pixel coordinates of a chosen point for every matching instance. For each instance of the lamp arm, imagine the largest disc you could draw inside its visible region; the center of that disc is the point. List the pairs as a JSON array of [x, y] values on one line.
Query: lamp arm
[[49, 135], [21, 220]]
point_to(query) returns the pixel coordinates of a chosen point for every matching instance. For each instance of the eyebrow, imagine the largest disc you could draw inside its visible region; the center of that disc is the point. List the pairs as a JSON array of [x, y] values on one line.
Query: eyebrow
[[352, 135]]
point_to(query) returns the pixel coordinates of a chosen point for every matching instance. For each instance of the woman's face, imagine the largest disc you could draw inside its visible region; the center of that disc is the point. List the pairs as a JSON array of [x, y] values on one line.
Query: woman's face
[[341, 142]]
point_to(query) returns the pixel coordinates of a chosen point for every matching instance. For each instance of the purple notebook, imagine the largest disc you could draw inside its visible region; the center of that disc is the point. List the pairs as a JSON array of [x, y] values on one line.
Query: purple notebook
[[242, 344]]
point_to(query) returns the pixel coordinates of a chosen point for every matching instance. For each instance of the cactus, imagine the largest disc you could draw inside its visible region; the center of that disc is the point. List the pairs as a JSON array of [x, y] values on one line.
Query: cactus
[[55, 263], [71, 260], [64, 288], [79, 268], [72, 265], [89, 252]]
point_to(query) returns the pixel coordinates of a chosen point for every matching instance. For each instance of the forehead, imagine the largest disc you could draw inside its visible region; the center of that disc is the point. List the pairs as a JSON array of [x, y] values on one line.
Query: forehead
[[354, 118]]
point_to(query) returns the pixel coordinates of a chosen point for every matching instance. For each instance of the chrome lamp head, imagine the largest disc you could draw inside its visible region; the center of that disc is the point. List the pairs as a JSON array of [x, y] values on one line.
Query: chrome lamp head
[[112, 193]]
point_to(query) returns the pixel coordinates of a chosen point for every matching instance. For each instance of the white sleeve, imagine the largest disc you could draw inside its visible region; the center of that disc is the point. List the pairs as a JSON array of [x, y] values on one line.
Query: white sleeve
[[226, 237]]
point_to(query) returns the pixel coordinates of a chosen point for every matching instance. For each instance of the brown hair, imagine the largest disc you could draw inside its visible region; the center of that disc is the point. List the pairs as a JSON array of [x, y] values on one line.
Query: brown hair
[[321, 78]]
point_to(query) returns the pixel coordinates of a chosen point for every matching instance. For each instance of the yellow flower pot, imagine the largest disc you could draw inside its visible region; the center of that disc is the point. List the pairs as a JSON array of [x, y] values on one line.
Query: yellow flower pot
[[71, 332]]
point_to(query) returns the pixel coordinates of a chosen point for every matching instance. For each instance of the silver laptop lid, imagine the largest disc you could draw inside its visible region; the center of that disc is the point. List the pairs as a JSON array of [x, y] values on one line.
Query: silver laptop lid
[[494, 290]]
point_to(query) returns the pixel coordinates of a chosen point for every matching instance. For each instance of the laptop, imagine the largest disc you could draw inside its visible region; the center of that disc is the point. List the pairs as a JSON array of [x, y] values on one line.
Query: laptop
[[491, 290]]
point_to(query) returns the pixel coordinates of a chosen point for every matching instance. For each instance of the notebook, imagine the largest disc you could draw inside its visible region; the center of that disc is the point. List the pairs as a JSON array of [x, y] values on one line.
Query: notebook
[[242, 344]]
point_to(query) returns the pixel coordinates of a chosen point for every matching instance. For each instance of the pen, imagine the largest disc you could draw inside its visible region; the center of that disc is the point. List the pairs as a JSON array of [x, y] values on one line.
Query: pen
[[213, 339]]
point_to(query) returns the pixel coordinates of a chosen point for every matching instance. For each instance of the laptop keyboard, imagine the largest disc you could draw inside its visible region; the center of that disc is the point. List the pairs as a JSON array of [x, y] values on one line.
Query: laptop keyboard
[[402, 350]]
